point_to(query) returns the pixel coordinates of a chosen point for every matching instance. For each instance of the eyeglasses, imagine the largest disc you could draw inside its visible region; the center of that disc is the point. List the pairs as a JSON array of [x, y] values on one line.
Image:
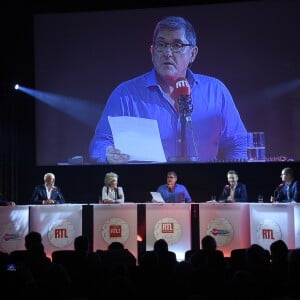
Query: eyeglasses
[[175, 47], [171, 176]]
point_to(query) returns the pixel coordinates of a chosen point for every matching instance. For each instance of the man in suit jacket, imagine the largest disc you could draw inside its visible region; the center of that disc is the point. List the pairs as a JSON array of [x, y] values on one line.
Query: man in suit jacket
[[47, 193], [234, 191], [287, 191]]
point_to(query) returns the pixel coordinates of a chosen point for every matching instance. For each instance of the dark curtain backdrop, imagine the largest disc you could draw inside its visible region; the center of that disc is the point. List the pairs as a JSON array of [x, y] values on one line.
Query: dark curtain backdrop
[[16, 111], [19, 174]]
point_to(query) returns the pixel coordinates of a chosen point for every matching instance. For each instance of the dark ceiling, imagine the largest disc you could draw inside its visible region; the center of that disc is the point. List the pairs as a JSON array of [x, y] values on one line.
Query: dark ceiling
[[40, 6]]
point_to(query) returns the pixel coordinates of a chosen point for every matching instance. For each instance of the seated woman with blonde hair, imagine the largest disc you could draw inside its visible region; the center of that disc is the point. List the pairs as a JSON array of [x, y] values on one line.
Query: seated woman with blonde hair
[[111, 192]]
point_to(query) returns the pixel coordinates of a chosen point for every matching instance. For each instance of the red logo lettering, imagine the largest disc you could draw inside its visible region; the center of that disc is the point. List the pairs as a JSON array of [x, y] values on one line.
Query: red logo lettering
[[167, 228], [115, 231]]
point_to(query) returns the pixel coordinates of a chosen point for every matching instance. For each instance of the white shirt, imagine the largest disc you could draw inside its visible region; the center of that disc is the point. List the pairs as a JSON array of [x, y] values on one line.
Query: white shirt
[[111, 195], [48, 191]]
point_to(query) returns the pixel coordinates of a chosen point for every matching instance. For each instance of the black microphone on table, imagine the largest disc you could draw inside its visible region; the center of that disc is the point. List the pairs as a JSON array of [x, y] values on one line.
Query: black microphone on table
[[54, 188], [182, 96]]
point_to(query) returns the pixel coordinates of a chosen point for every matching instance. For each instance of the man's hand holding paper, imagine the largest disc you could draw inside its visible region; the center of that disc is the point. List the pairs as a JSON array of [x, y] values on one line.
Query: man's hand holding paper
[[135, 140], [115, 156]]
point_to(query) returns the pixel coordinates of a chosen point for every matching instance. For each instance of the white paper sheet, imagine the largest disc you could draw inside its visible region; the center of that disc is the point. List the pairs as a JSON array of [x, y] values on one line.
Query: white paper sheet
[[138, 137], [157, 197]]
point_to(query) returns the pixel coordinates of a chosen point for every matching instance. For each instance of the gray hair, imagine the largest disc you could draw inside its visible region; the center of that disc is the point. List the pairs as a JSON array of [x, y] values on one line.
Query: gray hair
[[175, 23], [49, 175]]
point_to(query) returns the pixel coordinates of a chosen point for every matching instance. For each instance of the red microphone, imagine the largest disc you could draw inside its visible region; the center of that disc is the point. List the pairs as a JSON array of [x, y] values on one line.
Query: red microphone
[[182, 96], [278, 188], [182, 88]]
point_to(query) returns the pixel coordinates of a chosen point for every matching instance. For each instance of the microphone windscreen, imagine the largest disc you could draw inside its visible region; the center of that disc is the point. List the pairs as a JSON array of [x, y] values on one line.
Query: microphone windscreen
[[278, 188], [182, 88]]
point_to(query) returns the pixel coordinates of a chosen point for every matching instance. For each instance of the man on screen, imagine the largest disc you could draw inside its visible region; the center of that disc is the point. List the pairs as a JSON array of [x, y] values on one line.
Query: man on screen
[[196, 115]]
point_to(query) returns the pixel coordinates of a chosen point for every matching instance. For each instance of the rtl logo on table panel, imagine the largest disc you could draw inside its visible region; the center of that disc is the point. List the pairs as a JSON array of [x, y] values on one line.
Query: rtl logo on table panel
[[61, 233], [268, 231], [168, 229], [115, 230]]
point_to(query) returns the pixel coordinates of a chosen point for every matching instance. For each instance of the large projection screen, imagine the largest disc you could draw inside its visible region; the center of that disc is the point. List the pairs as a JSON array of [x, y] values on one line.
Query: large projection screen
[[80, 57]]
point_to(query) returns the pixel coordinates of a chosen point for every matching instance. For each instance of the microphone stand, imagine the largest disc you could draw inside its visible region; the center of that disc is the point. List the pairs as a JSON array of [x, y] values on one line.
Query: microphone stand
[[116, 195], [185, 109], [58, 195], [183, 135]]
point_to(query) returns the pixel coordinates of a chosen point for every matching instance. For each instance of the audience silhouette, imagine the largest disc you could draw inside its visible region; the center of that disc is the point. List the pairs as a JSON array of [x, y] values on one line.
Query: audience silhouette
[[209, 267], [83, 274]]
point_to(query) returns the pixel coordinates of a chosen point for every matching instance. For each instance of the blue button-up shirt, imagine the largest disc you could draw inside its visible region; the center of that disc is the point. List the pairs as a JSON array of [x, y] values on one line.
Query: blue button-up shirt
[[217, 133], [178, 194]]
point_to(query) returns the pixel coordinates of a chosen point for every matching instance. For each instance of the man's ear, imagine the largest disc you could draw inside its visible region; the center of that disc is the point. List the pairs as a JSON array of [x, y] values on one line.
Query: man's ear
[[194, 54], [151, 49]]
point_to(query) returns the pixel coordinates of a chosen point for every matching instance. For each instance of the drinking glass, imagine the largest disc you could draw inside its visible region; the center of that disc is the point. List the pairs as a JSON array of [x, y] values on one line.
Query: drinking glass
[[260, 199], [256, 147]]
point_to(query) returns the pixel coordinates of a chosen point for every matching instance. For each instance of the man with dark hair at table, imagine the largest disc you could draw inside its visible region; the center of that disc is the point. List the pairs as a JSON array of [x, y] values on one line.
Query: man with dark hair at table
[[287, 190], [173, 192], [234, 191]]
